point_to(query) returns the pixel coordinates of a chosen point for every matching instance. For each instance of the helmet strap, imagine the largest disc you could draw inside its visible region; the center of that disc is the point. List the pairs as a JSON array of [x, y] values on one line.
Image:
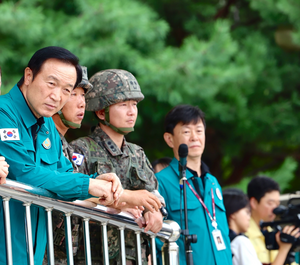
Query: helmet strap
[[120, 130], [69, 124]]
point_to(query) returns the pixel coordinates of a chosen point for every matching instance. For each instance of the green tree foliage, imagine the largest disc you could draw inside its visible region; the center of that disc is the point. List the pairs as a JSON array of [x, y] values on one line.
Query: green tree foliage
[[238, 60]]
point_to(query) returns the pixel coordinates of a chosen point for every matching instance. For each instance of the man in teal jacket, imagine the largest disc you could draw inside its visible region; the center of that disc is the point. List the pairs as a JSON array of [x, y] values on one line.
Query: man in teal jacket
[[185, 124], [31, 145]]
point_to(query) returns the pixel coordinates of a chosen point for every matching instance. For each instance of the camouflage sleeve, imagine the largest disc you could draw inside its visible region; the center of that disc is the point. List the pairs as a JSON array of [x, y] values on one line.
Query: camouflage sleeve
[[151, 178], [82, 153]]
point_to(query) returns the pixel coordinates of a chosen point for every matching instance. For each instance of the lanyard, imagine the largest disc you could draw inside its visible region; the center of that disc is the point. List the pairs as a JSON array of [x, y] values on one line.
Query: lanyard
[[213, 219]]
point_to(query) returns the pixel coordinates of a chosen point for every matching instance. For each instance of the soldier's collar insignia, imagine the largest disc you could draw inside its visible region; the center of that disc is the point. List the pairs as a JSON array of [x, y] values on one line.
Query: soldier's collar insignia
[[47, 144]]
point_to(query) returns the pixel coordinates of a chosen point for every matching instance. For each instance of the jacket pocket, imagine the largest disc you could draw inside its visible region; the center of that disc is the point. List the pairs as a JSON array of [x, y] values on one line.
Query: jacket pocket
[[191, 204], [102, 167], [50, 160], [220, 205], [137, 178]]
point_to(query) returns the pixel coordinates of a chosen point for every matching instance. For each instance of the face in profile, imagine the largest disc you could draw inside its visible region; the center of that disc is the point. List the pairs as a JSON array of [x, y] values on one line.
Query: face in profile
[[241, 220], [50, 89], [264, 208], [73, 110]]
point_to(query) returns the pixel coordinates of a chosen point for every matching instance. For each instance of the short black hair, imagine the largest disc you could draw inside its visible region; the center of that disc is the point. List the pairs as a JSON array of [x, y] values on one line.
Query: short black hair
[[164, 161], [184, 114], [260, 185], [234, 200], [52, 52]]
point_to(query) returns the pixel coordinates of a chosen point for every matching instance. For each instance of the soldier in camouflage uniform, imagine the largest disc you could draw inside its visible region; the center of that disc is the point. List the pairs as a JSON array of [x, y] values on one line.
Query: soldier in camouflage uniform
[[114, 99], [70, 116]]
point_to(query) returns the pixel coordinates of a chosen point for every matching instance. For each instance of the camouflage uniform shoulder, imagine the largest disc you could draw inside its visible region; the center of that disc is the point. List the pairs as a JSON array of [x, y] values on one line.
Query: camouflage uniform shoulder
[[85, 147], [134, 147], [85, 143]]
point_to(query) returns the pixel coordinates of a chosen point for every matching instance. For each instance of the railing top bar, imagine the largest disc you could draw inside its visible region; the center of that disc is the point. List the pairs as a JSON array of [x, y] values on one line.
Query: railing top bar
[[41, 197]]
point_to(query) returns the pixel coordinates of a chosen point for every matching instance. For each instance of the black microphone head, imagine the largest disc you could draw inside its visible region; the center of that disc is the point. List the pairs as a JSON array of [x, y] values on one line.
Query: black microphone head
[[183, 150]]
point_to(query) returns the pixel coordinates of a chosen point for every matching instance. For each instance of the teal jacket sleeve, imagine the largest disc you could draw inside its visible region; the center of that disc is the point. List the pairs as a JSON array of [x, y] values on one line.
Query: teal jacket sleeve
[[46, 167]]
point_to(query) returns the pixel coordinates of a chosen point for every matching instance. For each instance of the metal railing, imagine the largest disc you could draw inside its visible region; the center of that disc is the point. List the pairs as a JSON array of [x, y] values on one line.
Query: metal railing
[[106, 216]]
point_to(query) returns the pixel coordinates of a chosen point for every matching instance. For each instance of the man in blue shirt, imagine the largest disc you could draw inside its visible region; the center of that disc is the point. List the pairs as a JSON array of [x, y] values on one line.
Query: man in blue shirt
[[3, 164], [185, 124], [32, 147]]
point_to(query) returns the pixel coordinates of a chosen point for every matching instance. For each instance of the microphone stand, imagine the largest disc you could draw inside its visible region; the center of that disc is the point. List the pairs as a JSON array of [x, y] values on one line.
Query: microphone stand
[[188, 238]]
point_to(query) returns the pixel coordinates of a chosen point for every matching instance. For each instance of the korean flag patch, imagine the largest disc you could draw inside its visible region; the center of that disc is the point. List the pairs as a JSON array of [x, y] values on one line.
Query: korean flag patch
[[9, 134], [77, 159]]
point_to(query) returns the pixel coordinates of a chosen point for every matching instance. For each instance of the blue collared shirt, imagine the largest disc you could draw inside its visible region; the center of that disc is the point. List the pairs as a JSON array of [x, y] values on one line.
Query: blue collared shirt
[[204, 251], [45, 167]]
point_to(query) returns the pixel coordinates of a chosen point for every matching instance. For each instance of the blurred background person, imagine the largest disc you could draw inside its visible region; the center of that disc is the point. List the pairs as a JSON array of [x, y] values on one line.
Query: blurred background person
[[238, 216], [161, 163], [264, 196]]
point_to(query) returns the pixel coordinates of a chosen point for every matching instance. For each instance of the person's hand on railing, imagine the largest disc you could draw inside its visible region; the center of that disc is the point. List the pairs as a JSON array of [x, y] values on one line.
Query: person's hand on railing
[[117, 188], [136, 212], [140, 198], [3, 170], [151, 221], [103, 190]]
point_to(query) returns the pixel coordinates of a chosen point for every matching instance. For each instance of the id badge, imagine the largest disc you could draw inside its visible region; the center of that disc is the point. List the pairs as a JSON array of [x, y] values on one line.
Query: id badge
[[220, 245]]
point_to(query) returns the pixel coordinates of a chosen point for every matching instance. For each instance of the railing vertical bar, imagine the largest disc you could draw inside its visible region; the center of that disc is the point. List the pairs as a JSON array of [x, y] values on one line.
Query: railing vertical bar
[[122, 246], [105, 243], [170, 253], [87, 241], [9, 259], [68, 239], [51, 260], [153, 250], [138, 247], [29, 195], [29, 233]]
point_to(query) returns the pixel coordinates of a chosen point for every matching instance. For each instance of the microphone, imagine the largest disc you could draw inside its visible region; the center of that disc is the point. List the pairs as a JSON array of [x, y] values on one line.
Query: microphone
[[182, 152]]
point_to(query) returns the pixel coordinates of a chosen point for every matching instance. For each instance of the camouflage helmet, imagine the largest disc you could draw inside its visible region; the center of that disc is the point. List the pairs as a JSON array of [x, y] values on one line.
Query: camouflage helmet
[[85, 84], [110, 87]]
